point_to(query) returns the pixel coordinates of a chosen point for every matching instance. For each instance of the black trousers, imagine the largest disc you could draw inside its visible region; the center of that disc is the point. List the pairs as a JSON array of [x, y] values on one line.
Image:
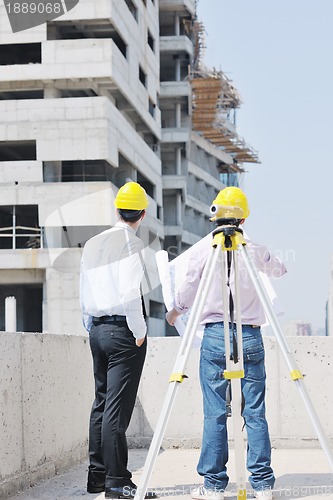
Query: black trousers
[[118, 364]]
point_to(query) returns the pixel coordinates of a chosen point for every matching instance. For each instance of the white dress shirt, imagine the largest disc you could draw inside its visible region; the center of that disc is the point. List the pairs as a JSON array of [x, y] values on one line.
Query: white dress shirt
[[252, 312], [112, 268]]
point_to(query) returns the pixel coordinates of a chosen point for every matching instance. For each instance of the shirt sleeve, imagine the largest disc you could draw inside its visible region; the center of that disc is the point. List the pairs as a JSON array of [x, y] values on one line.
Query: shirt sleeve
[[187, 291], [266, 262], [131, 272], [86, 317]]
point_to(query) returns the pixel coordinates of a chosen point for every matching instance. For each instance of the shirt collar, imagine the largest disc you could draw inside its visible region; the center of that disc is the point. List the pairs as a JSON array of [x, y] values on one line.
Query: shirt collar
[[123, 225]]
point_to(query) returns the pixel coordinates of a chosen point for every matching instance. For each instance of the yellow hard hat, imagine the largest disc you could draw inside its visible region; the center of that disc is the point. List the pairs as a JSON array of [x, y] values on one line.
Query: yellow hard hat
[[131, 196], [233, 197]]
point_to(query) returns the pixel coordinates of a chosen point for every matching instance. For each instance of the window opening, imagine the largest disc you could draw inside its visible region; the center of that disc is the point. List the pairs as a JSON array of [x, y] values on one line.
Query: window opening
[[86, 171], [29, 300], [18, 150], [10, 95], [20, 53], [19, 227]]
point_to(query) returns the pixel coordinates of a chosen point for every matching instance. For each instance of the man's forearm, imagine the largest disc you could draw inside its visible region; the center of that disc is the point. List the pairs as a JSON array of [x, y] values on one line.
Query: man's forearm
[[171, 316]]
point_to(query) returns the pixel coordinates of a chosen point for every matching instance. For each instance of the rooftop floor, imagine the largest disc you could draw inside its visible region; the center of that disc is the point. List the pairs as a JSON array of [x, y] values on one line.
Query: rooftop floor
[[300, 473]]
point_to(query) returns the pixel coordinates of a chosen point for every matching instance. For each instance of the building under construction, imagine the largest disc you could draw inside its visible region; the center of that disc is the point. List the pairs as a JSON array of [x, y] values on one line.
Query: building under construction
[[111, 91]]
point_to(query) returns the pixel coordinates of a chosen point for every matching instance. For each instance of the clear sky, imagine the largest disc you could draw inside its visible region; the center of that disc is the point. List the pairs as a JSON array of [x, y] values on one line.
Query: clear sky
[[279, 54]]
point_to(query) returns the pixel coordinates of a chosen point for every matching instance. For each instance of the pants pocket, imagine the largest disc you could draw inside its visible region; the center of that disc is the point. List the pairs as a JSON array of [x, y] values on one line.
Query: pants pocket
[[254, 364]]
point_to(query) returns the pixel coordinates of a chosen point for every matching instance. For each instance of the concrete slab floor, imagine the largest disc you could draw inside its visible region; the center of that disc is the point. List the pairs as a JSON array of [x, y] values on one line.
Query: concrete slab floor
[[300, 473]]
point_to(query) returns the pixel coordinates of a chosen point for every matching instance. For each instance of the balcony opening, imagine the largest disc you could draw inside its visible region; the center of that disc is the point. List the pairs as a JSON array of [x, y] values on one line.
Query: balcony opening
[[169, 161], [132, 8], [146, 184], [152, 141], [157, 310], [168, 25], [19, 227], [78, 171], [64, 93], [174, 67], [170, 217], [29, 300], [142, 76], [15, 95], [159, 213], [152, 108], [89, 170], [151, 41], [20, 53], [73, 30], [17, 150]]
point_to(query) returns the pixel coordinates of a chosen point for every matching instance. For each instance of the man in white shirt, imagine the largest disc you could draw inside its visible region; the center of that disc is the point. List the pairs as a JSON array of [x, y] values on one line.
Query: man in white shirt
[[111, 273], [214, 452]]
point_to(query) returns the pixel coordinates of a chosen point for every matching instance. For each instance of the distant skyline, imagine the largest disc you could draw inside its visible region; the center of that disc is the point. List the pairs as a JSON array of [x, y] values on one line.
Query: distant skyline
[[279, 56]]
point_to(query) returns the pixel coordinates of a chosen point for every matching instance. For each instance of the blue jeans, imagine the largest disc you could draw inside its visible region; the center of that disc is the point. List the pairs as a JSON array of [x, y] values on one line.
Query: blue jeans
[[214, 451]]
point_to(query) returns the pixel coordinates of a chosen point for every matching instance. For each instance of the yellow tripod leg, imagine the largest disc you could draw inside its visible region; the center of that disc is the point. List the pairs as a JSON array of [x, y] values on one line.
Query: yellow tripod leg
[[234, 372]]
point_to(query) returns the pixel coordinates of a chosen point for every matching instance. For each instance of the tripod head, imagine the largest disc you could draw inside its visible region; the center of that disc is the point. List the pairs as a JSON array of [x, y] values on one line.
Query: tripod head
[[227, 221], [229, 231]]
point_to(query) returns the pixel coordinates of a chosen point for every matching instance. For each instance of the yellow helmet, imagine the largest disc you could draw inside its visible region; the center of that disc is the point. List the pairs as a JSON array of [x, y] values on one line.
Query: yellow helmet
[[232, 197], [131, 196]]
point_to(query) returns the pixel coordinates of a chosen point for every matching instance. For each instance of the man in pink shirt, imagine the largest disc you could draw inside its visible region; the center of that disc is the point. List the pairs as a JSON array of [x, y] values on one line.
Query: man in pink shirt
[[214, 451]]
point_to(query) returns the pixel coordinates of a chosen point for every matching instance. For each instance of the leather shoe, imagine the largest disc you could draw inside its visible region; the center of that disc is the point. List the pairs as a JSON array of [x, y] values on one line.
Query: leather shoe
[[126, 492], [96, 482], [95, 488]]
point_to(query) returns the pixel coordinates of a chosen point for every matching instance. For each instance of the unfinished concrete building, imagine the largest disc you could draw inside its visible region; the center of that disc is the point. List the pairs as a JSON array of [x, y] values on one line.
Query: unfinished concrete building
[[200, 149], [111, 91]]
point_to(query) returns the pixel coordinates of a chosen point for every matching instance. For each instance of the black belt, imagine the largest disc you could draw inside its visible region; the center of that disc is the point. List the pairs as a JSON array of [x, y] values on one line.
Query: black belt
[[109, 319]]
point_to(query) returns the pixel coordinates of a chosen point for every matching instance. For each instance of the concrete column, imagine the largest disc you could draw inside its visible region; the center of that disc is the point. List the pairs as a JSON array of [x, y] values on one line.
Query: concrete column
[[179, 209], [178, 115], [177, 25], [51, 93], [179, 246], [179, 161], [177, 70], [177, 60], [10, 314], [52, 171]]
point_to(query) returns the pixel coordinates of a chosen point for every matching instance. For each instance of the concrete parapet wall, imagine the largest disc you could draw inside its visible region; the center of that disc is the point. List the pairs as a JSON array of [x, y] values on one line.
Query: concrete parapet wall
[[46, 391], [289, 422]]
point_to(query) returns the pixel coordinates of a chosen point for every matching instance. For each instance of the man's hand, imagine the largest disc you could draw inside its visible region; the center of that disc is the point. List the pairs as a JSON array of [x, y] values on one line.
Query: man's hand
[[139, 342], [171, 316]]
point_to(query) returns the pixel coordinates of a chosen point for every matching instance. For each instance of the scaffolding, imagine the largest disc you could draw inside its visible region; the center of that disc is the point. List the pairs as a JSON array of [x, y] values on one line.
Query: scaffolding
[[214, 104]]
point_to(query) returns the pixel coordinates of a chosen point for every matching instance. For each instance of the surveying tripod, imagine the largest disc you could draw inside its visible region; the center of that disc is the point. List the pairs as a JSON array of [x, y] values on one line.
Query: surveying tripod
[[227, 240]]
